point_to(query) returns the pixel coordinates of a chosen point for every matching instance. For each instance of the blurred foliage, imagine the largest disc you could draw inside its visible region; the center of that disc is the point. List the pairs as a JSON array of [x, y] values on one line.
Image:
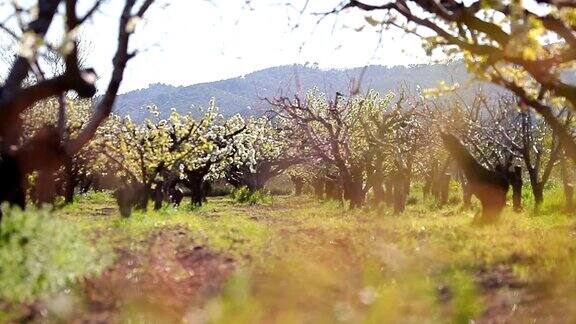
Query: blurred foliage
[[41, 254], [243, 195]]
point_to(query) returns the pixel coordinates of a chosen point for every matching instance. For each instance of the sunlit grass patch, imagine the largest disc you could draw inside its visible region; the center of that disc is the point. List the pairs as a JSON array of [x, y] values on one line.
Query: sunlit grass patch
[[213, 225], [310, 261], [41, 254]]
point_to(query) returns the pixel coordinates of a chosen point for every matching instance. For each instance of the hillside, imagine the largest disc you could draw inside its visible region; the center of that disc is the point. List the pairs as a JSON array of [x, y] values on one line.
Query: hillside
[[237, 94]]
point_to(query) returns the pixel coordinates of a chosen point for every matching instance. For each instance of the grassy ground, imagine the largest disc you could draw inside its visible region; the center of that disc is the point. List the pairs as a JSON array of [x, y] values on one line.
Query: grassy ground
[[296, 260]]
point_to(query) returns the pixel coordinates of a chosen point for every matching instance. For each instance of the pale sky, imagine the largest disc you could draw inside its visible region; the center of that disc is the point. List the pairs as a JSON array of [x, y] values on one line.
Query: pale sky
[[192, 41]]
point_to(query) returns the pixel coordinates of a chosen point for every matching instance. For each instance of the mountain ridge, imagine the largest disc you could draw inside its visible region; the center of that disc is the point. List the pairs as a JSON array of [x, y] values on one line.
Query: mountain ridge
[[243, 94]]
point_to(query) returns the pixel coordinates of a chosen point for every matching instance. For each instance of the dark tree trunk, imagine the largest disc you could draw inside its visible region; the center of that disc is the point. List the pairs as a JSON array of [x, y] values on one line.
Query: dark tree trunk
[[12, 189], [466, 191], [158, 195], [356, 197], [444, 188], [69, 182], [318, 186], [196, 192], [399, 192], [196, 184], [124, 202], [142, 196], [407, 175], [538, 192], [427, 189], [353, 190], [332, 190], [206, 190], [489, 186], [569, 194], [176, 195], [516, 182], [298, 183], [536, 185], [567, 183], [131, 196], [254, 181], [389, 198], [379, 192], [432, 180]]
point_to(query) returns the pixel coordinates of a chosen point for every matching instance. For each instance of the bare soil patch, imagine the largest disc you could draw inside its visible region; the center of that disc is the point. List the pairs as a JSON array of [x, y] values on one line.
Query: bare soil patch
[[160, 278]]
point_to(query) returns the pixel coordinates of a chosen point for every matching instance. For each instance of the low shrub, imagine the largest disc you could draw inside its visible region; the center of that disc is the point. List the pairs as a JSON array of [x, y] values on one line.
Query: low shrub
[[41, 254], [243, 195]]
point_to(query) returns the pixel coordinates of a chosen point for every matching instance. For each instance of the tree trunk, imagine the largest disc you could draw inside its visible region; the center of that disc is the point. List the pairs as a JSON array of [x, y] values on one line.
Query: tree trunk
[[158, 195], [493, 200], [389, 192], [353, 191], [298, 183], [399, 184], [536, 185], [206, 190], [45, 187], [175, 195], [331, 189], [444, 188], [123, 199], [379, 193], [427, 189], [12, 189], [142, 196], [131, 196], [255, 181], [70, 181], [489, 186], [298, 186], [538, 191], [318, 186], [196, 192], [516, 182], [567, 183]]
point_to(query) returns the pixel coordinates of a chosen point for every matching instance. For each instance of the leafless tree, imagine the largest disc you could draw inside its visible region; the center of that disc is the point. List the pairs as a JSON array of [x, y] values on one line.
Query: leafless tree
[[46, 152]]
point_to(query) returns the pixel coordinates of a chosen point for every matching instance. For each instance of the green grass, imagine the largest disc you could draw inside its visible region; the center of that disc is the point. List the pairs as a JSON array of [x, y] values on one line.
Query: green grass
[[308, 261], [216, 223], [41, 254], [327, 264]]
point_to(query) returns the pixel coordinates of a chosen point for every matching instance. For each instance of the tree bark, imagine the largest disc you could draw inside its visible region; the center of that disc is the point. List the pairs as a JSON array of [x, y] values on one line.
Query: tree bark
[[158, 195], [12, 189], [70, 181], [353, 188], [399, 185], [318, 186], [538, 192], [489, 186], [196, 192], [298, 183], [516, 182], [444, 188], [389, 199], [566, 173], [379, 192]]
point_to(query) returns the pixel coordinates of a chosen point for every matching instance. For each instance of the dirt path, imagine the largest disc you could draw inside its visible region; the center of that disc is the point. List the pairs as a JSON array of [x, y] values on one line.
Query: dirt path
[[158, 279]]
